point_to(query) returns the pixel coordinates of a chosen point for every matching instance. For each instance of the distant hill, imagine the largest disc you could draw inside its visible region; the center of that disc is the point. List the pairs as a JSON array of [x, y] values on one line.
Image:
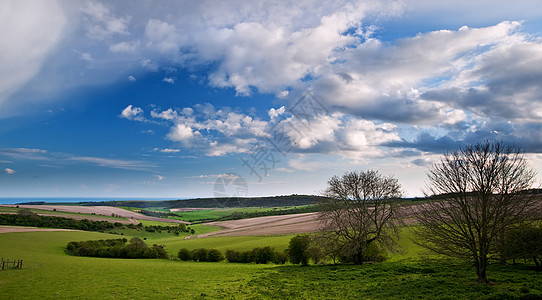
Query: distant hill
[[275, 201]]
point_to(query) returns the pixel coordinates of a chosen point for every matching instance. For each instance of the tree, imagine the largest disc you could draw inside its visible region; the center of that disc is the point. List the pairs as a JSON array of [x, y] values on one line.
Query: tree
[[482, 188], [524, 242], [361, 210], [298, 249]]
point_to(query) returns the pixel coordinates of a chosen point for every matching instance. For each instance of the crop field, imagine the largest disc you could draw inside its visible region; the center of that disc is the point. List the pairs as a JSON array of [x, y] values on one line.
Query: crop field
[[283, 224], [90, 212], [412, 274]]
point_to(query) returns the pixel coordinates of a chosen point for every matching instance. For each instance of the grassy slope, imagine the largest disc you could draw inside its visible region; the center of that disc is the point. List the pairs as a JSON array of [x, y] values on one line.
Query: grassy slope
[[49, 273]]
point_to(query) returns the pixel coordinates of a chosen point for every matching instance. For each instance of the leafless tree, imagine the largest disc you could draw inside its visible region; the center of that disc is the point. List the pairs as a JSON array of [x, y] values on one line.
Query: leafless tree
[[483, 192], [360, 211]]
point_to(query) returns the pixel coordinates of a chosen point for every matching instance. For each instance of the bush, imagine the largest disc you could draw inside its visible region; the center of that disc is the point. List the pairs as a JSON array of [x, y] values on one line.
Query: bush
[[116, 248], [263, 255], [233, 256], [298, 249], [184, 254], [199, 254], [214, 255], [280, 258]]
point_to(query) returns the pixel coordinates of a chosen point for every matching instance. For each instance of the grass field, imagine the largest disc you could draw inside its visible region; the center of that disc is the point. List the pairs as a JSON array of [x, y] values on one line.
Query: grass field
[[49, 273]]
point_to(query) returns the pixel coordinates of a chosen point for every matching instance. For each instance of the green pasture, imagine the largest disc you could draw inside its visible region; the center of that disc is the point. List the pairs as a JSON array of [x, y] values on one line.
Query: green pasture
[[411, 274]]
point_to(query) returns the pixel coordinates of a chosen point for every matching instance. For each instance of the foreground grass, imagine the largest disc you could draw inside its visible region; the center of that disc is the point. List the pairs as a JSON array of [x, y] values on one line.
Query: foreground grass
[[49, 273], [398, 280]]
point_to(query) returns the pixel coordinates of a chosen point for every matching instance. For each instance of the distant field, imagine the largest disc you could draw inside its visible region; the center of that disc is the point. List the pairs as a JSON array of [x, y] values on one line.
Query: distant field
[[50, 273], [284, 224], [101, 211]]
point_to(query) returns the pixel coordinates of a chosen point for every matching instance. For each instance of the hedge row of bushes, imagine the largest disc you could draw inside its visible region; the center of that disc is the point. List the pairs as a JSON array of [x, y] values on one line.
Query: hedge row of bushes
[[116, 248], [28, 218], [261, 255]]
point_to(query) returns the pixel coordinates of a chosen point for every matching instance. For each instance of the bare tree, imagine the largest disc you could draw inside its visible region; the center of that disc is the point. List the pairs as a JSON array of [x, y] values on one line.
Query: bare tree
[[483, 188], [360, 210]]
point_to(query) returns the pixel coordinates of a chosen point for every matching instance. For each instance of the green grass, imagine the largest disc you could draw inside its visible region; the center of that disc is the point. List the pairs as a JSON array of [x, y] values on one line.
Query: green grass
[[223, 243], [50, 273]]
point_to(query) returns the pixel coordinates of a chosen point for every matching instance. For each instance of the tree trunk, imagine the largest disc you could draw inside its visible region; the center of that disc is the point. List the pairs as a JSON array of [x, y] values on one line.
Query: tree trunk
[[481, 268]]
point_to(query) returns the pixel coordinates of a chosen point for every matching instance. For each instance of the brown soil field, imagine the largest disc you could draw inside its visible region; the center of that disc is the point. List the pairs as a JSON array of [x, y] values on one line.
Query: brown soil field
[[98, 211], [6, 229], [286, 224]]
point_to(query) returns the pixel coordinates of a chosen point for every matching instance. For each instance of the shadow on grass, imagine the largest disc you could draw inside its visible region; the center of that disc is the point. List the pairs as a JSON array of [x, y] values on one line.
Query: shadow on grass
[[396, 280]]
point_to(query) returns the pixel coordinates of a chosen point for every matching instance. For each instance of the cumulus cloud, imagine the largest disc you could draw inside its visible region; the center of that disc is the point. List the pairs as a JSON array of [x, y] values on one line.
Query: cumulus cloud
[[181, 133], [9, 171], [131, 78], [132, 113]]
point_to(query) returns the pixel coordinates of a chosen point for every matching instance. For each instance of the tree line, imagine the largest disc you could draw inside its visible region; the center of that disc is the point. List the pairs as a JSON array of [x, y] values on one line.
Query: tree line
[[26, 217], [116, 248]]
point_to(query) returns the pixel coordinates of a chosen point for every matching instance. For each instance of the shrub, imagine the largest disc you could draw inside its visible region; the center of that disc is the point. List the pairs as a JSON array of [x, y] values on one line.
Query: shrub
[[184, 254], [280, 258], [263, 255], [156, 251], [233, 256], [214, 255], [199, 254], [298, 249]]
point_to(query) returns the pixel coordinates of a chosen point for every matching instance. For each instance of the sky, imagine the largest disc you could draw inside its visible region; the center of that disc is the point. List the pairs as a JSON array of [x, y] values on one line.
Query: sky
[[181, 99]]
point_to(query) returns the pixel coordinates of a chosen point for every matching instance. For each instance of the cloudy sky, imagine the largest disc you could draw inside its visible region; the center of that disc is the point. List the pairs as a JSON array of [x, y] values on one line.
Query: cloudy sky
[[164, 98]]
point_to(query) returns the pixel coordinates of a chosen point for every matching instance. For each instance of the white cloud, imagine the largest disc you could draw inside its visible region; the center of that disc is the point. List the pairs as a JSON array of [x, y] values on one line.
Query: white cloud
[[111, 163], [274, 113], [86, 57], [162, 36], [9, 171], [168, 80], [30, 30], [64, 158], [132, 113], [169, 114], [160, 177], [167, 150], [124, 47], [181, 133], [131, 78], [103, 23]]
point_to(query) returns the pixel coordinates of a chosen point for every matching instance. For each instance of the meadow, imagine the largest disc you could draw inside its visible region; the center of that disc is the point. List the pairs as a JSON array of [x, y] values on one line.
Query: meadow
[[48, 272]]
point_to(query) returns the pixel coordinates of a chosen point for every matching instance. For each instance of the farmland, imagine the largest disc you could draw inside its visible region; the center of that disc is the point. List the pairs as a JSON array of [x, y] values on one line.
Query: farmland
[[50, 273]]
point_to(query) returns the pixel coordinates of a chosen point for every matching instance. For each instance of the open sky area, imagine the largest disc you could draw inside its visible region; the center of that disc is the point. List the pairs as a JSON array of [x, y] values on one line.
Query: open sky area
[[174, 98]]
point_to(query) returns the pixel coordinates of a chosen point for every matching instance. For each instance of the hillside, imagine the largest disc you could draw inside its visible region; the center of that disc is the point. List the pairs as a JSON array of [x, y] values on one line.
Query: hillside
[[275, 201]]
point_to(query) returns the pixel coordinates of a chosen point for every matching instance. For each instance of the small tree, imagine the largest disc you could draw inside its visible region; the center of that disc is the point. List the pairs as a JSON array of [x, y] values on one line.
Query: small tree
[[298, 249], [524, 242], [361, 210], [482, 188]]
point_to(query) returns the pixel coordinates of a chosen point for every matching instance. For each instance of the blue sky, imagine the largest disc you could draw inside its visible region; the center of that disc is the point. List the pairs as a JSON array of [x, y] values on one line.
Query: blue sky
[[164, 98]]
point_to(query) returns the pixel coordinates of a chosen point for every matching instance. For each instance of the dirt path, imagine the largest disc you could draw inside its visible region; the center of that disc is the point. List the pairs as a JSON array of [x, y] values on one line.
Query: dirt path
[[297, 223]]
